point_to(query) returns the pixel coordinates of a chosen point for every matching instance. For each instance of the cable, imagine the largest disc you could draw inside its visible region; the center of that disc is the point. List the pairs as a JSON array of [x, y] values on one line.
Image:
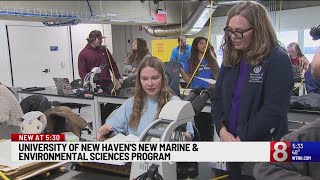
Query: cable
[[208, 39], [4, 177], [181, 13], [280, 13], [90, 9], [220, 177], [104, 42]]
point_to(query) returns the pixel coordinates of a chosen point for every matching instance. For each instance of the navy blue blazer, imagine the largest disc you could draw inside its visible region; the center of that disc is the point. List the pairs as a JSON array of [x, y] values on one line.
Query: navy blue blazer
[[264, 100]]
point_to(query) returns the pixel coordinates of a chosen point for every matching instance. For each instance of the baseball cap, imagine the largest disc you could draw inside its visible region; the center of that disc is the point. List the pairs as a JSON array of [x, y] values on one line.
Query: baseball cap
[[95, 34]]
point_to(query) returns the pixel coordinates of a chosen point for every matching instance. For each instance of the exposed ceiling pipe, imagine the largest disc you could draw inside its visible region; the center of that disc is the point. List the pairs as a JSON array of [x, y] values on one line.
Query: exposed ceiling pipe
[[193, 25]]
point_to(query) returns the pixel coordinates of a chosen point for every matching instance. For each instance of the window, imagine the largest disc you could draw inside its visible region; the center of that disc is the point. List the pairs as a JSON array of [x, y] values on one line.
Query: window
[[287, 37], [310, 46], [219, 52]]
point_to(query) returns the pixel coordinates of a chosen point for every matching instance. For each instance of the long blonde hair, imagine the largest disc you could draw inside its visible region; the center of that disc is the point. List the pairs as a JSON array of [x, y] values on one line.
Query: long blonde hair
[[140, 96], [264, 36]]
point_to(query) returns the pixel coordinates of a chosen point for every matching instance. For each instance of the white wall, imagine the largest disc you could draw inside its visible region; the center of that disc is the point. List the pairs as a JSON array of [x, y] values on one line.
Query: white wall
[[79, 34], [5, 68], [5, 71]]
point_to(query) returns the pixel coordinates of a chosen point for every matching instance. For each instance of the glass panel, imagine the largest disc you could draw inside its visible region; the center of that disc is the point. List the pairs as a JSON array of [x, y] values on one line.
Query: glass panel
[[310, 46], [218, 49], [287, 37]]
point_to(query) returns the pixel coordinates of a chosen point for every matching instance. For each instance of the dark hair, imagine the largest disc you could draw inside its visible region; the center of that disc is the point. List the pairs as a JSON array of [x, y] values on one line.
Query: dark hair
[[194, 59], [137, 55]]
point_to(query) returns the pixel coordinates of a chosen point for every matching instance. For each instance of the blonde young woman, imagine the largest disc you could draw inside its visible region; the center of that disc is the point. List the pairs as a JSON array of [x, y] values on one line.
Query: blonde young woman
[[139, 52], [151, 94], [252, 93]]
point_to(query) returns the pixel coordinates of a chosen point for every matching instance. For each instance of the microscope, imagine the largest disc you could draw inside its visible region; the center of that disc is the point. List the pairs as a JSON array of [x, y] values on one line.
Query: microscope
[[168, 127], [90, 80]]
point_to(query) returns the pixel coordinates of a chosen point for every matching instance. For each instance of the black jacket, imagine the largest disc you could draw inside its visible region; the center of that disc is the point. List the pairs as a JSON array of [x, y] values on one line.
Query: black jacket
[[293, 170], [264, 100]]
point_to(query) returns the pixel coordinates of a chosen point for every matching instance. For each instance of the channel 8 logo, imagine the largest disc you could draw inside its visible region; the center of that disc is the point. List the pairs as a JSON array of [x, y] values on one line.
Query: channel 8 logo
[[280, 151]]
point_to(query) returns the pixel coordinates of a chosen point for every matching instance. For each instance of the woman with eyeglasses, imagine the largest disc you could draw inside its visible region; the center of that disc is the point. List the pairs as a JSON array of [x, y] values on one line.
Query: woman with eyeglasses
[[252, 93]]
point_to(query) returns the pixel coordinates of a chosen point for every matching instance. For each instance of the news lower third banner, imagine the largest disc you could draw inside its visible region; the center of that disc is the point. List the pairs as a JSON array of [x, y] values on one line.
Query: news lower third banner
[[52, 148]]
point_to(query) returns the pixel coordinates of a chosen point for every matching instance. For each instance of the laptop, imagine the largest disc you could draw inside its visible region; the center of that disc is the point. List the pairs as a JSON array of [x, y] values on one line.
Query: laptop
[[63, 86]]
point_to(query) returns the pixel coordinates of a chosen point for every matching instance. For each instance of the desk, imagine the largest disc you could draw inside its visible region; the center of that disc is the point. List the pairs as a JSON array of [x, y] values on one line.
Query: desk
[[51, 95], [105, 98]]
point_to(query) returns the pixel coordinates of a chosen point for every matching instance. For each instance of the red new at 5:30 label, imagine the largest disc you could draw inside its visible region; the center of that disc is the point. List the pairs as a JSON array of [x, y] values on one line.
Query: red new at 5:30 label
[[37, 137], [280, 151]]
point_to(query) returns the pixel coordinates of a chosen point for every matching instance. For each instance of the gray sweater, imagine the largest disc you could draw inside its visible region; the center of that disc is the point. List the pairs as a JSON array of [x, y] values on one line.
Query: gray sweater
[[293, 170], [128, 67], [10, 110]]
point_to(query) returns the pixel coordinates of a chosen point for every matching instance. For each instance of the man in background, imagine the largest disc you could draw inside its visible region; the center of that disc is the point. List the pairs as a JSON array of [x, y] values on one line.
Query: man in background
[[182, 52], [94, 55]]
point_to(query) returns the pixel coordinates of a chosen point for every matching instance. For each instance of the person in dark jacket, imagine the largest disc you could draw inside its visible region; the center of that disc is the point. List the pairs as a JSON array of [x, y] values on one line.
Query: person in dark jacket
[[252, 93], [293, 170]]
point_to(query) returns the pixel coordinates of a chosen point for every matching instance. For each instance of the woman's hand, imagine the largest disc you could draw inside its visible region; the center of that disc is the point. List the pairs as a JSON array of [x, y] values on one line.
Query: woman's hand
[[238, 139], [103, 130], [225, 136], [133, 70], [187, 136]]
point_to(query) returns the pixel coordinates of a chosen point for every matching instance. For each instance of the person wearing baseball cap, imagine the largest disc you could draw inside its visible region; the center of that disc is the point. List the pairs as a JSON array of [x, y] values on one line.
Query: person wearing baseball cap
[[93, 55]]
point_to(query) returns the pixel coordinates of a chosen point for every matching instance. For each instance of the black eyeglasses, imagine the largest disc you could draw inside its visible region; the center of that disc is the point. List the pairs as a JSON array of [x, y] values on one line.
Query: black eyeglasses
[[237, 34]]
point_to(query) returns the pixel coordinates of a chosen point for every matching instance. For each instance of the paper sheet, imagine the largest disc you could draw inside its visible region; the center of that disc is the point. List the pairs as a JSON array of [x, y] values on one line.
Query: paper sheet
[[211, 81], [5, 157]]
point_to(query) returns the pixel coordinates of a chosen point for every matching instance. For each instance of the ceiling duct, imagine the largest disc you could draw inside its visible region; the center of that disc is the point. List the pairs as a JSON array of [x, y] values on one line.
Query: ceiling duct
[[193, 25]]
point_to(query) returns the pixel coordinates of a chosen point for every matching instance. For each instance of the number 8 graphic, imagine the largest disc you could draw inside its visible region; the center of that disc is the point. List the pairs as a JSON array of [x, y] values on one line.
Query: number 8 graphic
[[280, 151]]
